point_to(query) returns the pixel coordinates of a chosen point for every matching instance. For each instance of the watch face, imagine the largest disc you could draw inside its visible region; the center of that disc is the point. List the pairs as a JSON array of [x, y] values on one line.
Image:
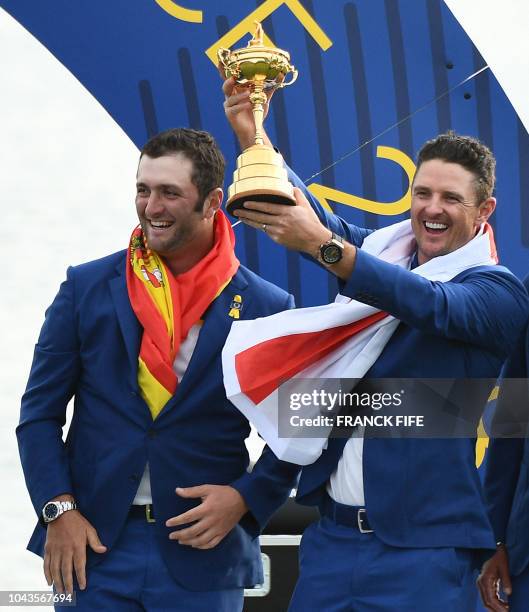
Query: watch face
[[331, 254], [50, 511]]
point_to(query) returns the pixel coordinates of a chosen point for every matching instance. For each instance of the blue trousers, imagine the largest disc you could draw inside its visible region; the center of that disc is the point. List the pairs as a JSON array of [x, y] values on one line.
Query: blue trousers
[[519, 600], [342, 570], [133, 577]]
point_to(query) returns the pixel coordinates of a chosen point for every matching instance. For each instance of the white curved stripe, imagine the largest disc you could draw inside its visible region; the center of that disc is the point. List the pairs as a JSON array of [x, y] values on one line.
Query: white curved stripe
[[499, 31], [67, 194]]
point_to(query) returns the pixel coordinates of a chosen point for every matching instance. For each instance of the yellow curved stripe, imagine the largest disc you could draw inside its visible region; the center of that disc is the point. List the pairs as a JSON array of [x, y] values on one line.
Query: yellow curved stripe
[[380, 208], [494, 394], [482, 443], [264, 10], [180, 12]]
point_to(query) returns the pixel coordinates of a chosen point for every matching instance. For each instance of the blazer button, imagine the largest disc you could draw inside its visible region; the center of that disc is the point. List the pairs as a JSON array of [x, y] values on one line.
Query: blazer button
[[152, 433], [134, 478]]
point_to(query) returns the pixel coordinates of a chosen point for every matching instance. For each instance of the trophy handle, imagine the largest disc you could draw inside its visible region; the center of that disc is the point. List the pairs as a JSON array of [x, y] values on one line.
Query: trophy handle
[[233, 70], [223, 55], [294, 74]]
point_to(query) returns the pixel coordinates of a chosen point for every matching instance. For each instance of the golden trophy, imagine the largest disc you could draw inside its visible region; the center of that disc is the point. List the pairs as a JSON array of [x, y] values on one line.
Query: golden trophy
[[260, 174]]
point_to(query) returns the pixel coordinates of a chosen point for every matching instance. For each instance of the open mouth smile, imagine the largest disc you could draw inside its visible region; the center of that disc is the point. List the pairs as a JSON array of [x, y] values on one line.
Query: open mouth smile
[[435, 228], [160, 225]]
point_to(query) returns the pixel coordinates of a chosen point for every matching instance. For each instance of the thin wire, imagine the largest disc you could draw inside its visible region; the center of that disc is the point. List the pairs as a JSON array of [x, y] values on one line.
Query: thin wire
[[391, 127]]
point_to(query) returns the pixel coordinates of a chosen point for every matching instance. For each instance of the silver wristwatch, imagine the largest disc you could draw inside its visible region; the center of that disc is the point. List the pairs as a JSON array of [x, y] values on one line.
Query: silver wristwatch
[[53, 509]]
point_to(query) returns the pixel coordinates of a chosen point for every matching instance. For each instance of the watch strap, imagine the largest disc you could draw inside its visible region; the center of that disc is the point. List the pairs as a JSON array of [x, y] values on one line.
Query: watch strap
[[335, 241], [60, 506]]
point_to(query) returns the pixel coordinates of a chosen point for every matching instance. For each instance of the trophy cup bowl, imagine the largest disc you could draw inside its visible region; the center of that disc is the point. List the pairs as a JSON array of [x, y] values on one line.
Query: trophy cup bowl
[[260, 175]]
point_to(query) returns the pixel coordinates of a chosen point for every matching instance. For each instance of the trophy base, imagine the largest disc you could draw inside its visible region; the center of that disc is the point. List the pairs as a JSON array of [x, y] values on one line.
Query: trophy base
[[260, 176], [238, 200]]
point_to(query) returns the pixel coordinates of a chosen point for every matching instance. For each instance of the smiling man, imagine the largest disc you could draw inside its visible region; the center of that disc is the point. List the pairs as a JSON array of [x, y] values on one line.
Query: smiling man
[[403, 520], [449, 204], [150, 490]]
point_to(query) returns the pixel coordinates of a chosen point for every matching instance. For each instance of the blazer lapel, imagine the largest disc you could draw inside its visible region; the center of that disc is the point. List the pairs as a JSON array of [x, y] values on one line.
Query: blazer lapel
[[316, 474], [129, 325]]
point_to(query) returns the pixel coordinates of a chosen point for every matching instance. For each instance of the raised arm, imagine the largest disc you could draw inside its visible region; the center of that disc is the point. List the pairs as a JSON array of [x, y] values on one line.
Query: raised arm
[[303, 227]]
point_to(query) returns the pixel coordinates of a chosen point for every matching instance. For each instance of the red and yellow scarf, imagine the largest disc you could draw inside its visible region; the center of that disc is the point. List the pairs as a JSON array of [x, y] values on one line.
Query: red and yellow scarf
[[167, 306]]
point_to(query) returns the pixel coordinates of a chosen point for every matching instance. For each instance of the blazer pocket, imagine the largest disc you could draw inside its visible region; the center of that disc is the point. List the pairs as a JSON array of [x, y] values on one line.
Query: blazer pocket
[[464, 563]]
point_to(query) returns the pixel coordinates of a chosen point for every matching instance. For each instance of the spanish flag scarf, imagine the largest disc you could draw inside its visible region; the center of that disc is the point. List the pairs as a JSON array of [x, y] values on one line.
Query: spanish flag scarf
[[167, 306]]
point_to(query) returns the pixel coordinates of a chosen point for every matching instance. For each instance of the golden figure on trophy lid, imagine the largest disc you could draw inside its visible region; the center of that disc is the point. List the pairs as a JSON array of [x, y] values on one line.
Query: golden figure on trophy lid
[[260, 173]]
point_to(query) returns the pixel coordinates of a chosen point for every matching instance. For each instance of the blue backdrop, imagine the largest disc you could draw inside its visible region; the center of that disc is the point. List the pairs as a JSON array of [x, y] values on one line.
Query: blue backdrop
[[373, 73], [377, 78]]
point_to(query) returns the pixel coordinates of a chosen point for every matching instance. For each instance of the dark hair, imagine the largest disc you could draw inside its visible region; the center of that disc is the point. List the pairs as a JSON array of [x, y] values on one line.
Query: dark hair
[[199, 147], [466, 151]]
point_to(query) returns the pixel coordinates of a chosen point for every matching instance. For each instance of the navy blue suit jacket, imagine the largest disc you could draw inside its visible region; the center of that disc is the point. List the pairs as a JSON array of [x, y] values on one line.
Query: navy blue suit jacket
[[507, 470], [426, 492], [88, 348]]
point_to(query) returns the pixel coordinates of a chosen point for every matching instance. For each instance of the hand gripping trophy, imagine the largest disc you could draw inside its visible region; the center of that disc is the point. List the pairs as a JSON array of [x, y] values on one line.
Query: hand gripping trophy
[[260, 173]]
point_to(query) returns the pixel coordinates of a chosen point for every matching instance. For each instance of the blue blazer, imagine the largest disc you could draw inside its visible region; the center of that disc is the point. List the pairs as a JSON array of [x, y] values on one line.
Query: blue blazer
[[88, 348], [426, 492], [507, 468]]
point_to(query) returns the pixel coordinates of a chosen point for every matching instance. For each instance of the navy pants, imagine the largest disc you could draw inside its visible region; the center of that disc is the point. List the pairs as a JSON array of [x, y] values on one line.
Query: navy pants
[[133, 577], [519, 600], [342, 570]]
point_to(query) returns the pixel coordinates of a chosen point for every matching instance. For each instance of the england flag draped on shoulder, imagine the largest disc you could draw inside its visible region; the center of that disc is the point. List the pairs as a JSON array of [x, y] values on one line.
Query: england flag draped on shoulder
[[338, 340]]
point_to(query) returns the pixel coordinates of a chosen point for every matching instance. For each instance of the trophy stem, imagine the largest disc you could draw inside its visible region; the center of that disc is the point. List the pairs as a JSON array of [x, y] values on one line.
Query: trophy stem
[[258, 100], [261, 175]]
